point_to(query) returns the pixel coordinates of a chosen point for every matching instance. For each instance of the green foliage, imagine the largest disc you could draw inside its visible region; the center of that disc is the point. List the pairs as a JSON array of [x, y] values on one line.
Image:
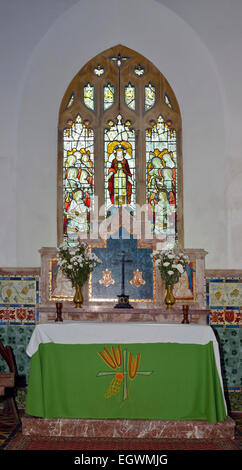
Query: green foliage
[[171, 265], [77, 262]]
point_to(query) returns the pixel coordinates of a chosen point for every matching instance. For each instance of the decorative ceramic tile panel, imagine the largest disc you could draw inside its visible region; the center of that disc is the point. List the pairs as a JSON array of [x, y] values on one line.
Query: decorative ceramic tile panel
[[225, 316], [19, 299], [224, 299], [18, 338], [230, 353], [225, 293]]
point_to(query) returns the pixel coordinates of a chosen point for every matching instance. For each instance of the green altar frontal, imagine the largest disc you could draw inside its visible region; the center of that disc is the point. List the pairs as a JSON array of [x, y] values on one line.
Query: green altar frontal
[[163, 381]]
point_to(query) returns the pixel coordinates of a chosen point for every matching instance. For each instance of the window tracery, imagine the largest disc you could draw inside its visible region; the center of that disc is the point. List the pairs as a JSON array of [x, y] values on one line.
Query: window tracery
[[120, 139]]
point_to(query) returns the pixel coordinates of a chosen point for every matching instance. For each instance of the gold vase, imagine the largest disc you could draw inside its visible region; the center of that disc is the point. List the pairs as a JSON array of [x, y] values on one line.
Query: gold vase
[[169, 298], [78, 297]]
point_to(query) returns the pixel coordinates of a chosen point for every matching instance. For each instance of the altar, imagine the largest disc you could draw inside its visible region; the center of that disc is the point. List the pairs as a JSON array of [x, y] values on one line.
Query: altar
[[125, 371], [128, 372]]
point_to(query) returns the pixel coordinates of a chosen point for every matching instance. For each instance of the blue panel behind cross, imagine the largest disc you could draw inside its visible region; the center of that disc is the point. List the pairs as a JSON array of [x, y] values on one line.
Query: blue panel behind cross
[[110, 256]]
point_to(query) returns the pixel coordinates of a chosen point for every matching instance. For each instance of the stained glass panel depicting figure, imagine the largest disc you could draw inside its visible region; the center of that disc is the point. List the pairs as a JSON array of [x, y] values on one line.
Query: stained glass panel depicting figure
[[108, 96], [120, 184], [150, 96], [119, 116], [129, 96], [161, 179], [88, 96], [78, 178]]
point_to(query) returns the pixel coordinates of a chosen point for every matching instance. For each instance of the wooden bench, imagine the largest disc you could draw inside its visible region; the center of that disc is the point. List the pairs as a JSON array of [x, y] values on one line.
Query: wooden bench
[[7, 383]]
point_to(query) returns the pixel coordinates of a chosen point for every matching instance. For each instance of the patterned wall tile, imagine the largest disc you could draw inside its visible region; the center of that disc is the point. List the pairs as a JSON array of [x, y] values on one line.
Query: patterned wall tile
[[225, 293], [19, 299], [18, 338], [230, 340], [225, 316], [224, 299]]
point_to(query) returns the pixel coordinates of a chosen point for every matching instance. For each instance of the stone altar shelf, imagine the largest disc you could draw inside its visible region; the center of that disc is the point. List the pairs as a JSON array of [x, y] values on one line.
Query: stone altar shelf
[[127, 429], [109, 314], [55, 288]]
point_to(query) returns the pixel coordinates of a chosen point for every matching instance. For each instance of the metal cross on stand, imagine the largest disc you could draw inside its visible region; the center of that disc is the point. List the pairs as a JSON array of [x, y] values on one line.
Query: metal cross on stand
[[123, 298]]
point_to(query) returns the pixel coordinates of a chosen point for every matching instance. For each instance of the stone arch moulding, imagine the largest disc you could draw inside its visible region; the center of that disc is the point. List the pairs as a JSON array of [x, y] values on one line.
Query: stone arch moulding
[[119, 87]]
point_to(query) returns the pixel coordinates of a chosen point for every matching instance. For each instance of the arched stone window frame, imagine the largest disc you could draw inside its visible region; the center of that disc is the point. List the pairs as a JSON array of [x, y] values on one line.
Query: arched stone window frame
[[166, 104]]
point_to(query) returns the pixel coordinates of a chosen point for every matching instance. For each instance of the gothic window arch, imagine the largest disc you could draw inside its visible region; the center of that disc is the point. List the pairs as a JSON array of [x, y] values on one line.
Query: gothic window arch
[[119, 137]]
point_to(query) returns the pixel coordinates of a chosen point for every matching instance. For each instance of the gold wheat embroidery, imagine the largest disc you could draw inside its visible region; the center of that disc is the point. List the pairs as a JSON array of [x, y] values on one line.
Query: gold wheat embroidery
[[124, 367]]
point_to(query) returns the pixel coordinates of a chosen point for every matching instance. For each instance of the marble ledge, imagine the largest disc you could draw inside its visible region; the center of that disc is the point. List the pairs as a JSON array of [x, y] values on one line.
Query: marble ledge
[[124, 428], [107, 314]]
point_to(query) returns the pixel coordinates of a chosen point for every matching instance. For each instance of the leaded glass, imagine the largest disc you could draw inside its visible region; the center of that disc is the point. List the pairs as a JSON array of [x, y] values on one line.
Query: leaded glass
[[130, 146], [139, 70], [150, 96], [167, 100], [78, 178], [71, 101], [108, 96], [88, 96], [119, 59], [99, 70], [119, 155], [161, 179], [129, 96]]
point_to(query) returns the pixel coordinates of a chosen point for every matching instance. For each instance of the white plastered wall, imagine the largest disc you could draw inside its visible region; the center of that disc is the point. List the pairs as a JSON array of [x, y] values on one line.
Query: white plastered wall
[[172, 45]]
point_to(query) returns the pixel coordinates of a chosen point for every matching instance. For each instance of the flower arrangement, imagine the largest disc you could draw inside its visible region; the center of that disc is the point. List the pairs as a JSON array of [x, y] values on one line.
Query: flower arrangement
[[76, 262], [171, 265]]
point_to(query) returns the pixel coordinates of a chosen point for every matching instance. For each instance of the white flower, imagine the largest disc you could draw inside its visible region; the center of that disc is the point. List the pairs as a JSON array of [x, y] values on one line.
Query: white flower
[[62, 245], [166, 263], [180, 268], [170, 272], [170, 256]]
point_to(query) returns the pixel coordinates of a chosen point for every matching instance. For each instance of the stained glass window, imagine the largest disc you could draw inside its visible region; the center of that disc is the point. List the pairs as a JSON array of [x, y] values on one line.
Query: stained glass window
[[108, 96], [99, 70], [161, 177], [119, 155], [88, 96], [149, 96], [71, 101], [78, 178], [129, 95], [119, 119], [139, 70], [167, 100]]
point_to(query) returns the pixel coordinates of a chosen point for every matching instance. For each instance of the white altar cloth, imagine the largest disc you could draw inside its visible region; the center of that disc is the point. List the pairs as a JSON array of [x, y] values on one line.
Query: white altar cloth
[[113, 333]]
